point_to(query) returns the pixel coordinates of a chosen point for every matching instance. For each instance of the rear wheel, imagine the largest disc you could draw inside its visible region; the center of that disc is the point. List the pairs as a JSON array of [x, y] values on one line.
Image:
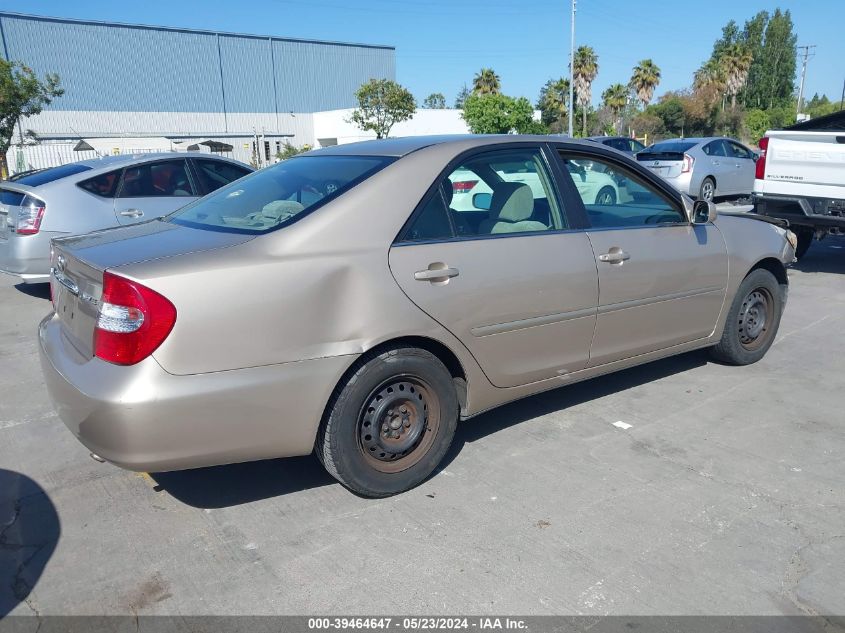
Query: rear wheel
[[753, 320], [707, 191], [606, 196], [391, 423], [805, 240]]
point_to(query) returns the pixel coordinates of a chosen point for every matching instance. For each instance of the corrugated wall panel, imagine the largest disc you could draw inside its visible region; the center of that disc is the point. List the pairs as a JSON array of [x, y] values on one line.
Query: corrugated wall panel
[[111, 67], [312, 77], [247, 74]]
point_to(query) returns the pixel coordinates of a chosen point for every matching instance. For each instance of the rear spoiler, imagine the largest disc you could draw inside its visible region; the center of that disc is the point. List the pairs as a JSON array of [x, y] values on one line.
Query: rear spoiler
[[781, 222]]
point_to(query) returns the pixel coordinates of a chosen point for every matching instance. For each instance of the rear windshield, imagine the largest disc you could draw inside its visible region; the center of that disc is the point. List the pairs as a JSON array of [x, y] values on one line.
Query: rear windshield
[[49, 175], [11, 198], [669, 149], [277, 196]]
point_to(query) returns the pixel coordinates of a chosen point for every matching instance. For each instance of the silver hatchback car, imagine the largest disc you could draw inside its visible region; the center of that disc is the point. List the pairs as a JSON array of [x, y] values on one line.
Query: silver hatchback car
[[338, 303], [703, 168], [97, 194]]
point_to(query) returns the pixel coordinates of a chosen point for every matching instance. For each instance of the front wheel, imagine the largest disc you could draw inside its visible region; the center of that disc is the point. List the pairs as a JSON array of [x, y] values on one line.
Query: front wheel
[[752, 321], [391, 423], [606, 196]]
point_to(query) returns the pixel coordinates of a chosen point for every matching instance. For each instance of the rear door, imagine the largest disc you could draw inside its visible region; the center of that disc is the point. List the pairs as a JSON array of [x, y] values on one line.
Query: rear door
[[153, 189], [720, 164], [662, 279], [519, 291]]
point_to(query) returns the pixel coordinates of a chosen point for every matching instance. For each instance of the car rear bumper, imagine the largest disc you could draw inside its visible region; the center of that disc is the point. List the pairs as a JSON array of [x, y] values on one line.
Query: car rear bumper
[[142, 418], [802, 210], [27, 256]]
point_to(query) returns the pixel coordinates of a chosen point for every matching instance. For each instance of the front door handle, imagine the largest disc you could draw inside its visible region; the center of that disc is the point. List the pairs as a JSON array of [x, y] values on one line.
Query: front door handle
[[132, 213], [436, 273], [615, 256]]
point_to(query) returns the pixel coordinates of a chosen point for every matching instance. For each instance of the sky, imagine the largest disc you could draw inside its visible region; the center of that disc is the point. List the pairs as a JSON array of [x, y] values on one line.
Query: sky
[[441, 44]]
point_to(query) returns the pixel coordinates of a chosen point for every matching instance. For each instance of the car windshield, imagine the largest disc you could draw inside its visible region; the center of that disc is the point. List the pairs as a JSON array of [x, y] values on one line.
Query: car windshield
[[277, 196], [44, 176]]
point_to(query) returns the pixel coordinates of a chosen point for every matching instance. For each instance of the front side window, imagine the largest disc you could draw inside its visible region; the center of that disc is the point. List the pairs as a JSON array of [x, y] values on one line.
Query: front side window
[[738, 151], [213, 174], [277, 196], [615, 197], [506, 191], [155, 180]]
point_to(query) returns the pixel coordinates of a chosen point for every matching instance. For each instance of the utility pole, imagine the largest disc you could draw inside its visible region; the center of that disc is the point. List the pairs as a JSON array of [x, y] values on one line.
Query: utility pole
[[807, 56], [572, 68]]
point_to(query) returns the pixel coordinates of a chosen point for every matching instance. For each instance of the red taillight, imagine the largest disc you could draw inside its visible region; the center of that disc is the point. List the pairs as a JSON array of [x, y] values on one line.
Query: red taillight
[[463, 186], [133, 321], [687, 166], [29, 219], [760, 165]]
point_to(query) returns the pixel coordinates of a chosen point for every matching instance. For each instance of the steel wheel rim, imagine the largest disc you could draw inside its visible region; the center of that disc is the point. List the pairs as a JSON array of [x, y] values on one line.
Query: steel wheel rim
[[707, 191], [398, 423], [756, 314]]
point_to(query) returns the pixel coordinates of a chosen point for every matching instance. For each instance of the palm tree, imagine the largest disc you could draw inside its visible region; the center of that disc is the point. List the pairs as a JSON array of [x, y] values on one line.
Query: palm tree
[[615, 98], [556, 99], [644, 80], [486, 82], [709, 81], [585, 69], [735, 62]]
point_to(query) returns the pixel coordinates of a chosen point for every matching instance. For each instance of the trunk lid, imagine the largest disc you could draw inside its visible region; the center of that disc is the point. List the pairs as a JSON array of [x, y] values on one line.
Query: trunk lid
[[79, 262]]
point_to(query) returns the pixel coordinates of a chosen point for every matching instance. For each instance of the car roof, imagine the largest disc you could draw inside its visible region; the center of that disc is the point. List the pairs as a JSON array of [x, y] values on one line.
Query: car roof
[[123, 159], [402, 146]]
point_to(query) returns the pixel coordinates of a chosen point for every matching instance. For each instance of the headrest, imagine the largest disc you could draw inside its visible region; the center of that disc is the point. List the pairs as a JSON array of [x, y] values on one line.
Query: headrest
[[512, 202], [281, 209], [448, 191]]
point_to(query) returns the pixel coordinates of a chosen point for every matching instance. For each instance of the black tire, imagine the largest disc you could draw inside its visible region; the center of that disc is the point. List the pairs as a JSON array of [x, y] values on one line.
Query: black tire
[[805, 240], [408, 397], [707, 191], [606, 196], [753, 320]]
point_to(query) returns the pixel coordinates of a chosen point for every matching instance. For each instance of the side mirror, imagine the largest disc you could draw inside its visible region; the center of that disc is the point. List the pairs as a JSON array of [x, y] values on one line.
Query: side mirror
[[482, 201], [703, 212]]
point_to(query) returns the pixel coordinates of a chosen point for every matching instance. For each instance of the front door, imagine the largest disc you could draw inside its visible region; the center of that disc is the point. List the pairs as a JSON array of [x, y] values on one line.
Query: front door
[[508, 281], [151, 190], [662, 280]]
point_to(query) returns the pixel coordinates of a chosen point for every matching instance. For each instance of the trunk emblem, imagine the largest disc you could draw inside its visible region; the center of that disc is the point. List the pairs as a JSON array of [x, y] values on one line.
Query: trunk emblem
[[656, 163]]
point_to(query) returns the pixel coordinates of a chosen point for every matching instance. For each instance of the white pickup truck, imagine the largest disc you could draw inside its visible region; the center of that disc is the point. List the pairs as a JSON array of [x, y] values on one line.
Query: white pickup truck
[[800, 177]]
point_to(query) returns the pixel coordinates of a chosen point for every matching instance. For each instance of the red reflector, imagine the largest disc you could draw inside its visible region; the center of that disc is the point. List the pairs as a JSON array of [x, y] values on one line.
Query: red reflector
[[463, 186], [760, 165], [132, 322]]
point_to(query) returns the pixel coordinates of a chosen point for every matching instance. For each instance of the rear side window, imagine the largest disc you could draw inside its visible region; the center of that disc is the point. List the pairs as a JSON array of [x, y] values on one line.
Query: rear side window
[[716, 148], [103, 185], [277, 196], [213, 174], [432, 222], [54, 173], [156, 180]]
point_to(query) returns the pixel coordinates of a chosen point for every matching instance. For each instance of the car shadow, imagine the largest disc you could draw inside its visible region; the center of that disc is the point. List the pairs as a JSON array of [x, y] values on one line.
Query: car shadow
[[237, 484], [825, 256], [29, 532], [39, 291]]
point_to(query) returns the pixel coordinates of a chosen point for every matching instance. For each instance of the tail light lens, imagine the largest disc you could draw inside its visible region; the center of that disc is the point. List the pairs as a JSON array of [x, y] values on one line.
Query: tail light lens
[[133, 321], [463, 186], [30, 214], [760, 165], [687, 166]]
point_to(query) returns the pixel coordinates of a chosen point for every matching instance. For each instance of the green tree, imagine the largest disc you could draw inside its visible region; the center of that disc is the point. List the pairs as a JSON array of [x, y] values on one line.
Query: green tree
[[486, 82], [553, 103], [735, 62], [499, 114], [586, 67], [644, 80], [757, 122], [289, 150], [22, 95], [752, 36], [381, 104], [777, 68], [435, 101], [463, 93], [614, 99]]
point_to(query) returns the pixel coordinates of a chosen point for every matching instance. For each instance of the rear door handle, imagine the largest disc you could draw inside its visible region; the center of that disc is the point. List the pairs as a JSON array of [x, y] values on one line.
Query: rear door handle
[[132, 213], [615, 256], [436, 273]]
